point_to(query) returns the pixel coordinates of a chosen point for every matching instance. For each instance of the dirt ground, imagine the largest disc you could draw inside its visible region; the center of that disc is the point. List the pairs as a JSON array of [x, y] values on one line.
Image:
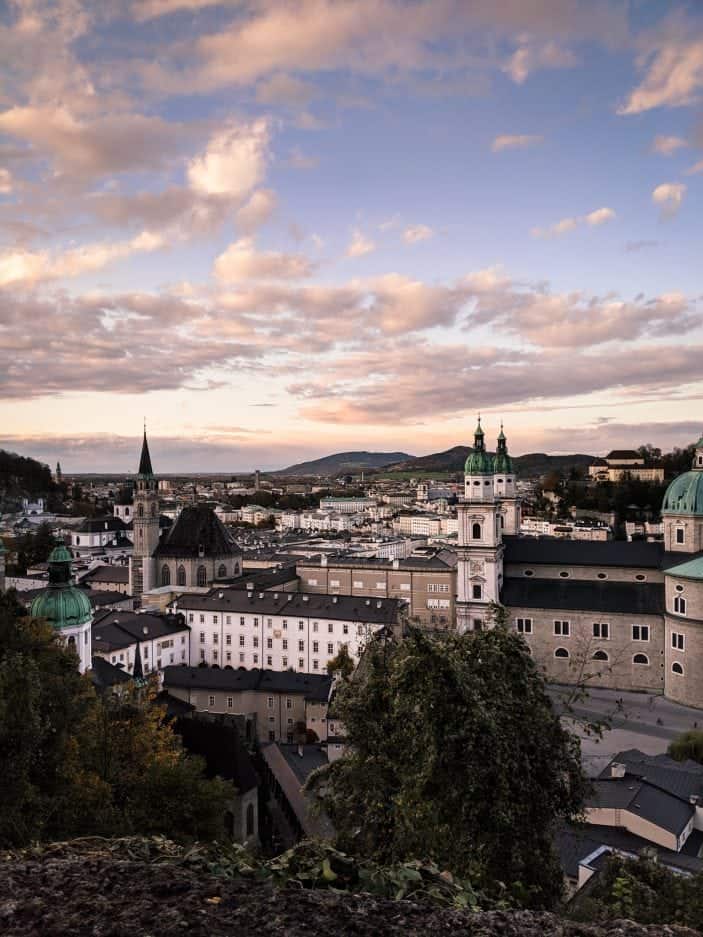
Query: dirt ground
[[65, 892]]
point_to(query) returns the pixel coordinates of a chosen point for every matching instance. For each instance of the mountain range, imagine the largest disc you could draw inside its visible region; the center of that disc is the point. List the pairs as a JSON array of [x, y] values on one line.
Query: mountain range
[[341, 463]]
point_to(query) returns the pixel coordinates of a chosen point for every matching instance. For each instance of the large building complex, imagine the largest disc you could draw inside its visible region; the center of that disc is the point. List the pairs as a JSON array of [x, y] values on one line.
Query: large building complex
[[615, 614]]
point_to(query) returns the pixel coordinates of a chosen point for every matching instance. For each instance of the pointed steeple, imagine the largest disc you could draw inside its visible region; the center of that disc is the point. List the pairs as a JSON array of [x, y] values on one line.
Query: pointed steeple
[[145, 468], [478, 436], [138, 672]]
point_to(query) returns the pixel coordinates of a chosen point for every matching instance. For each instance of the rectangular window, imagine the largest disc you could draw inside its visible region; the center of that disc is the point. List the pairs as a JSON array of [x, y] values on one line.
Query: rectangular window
[[214, 619], [289, 703], [214, 657], [285, 624], [640, 632], [255, 640], [562, 628], [269, 622], [241, 658], [284, 662], [301, 626], [269, 702], [315, 647], [269, 660], [241, 640], [301, 662], [183, 639], [190, 618], [314, 626], [229, 657], [330, 648], [334, 583], [315, 665], [256, 622], [269, 643], [228, 620], [284, 644], [405, 586], [301, 645], [202, 619], [230, 702], [215, 637], [202, 637], [330, 628], [680, 535], [256, 658], [241, 620], [476, 591], [358, 584], [678, 641], [228, 639], [601, 629], [202, 653], [523, 625], [345, 629], [211, 700]]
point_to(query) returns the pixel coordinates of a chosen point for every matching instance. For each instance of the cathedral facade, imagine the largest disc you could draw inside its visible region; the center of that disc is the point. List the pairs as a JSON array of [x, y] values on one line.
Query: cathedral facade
[[626, 615]]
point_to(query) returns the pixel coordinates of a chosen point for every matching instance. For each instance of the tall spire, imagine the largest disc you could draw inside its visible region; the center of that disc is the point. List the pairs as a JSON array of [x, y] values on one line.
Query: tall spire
[[478, 436], [145, 460], [138, 671]]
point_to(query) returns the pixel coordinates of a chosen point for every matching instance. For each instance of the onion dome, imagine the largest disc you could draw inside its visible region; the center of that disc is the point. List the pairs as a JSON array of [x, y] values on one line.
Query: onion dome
[[62, 604], [479, 461], [502, 462]]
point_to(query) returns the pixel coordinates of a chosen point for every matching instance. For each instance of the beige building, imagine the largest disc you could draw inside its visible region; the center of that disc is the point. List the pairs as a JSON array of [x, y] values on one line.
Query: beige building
[[278, 705], [625, 463], [427, 585]]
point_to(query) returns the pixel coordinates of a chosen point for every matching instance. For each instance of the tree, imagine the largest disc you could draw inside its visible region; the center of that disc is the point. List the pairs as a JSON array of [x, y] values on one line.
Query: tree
[[342, 664], [687, 745], [455, 754], [498, 615]]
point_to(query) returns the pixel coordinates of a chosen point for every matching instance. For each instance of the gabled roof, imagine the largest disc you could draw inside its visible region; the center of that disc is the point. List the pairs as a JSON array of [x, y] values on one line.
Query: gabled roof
[[105, 675], [118, 574], [198, 531], [640, 598], [643, 800], [116, 629], [678, 778]]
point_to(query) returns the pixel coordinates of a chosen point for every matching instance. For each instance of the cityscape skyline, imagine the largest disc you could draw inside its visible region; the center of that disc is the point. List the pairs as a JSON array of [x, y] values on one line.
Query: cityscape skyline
[[282, 230]]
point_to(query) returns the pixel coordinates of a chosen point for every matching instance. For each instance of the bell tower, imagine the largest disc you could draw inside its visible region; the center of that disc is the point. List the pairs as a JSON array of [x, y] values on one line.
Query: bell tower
[[480, 547], [509, 516], [145, 522]]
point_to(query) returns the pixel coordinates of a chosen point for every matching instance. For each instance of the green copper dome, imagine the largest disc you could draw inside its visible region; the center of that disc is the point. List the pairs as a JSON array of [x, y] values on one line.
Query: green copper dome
[[684, 495], [479, 461], [61, 603]]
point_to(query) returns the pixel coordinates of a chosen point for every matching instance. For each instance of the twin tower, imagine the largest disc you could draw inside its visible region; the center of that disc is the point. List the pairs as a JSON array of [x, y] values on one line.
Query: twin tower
[[490, 508]]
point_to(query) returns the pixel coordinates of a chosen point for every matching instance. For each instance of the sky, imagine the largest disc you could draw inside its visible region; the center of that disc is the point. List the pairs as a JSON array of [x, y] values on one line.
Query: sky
[[276, 229]]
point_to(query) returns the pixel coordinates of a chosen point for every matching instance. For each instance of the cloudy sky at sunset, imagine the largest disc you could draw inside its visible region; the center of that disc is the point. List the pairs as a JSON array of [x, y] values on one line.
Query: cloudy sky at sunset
[[282, 228]]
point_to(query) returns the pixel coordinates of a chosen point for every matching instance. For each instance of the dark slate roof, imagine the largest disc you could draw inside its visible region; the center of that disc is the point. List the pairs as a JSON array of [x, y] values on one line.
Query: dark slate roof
[[313, 758], [623, 841], [636, 553], [618, 454], [175, 706], [145, 459], [314, 686], [641, 598], [198, 530], [680, 779], [107, 574], [573, 846], [105, 675], [295, 604], [642, 799], [259, 579], [94, 525], [117, 629], [433, 563]]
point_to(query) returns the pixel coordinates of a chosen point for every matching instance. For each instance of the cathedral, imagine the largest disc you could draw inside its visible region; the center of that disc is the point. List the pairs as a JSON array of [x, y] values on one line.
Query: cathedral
[[196, 551], [626, 615]]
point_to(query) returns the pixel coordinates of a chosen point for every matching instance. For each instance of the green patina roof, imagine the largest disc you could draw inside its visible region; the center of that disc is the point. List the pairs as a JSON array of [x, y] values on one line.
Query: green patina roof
[[684, 495], [61, 603], [479, 462], [691, 569], [503, 463]]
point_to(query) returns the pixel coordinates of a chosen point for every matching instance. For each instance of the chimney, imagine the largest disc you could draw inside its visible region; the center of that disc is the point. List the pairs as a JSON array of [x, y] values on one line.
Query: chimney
[[617, 770], [694, 799]]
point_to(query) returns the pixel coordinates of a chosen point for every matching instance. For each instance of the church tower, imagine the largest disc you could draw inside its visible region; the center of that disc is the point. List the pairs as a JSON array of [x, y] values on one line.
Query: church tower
[[145, 522], [505, 488], [480, 547]]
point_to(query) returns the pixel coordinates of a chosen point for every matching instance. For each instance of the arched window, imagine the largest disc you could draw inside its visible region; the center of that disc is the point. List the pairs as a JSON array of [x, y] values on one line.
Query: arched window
[[201, 576], [165, 575], [640, 659], [561, 652], [476, 532], [72, 642], [250, 820], [222, 570], [140, 510], [181, 576], [677, 668], [679, 605], [600, 655]]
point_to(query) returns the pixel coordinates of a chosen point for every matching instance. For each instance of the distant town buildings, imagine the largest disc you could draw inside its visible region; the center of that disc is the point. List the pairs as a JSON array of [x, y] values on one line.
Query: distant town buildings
[[621, 464]]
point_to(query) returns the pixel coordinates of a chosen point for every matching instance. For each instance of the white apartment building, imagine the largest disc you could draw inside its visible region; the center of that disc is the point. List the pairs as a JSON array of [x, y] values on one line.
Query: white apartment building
[[346, 505], [281, 630]]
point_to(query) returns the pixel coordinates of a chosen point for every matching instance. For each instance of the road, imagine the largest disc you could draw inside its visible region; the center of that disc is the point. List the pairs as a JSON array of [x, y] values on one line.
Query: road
[[637, 720]]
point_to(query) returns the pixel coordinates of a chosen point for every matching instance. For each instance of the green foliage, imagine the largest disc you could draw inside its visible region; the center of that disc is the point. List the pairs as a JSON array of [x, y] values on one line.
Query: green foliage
[[77, 764], [455, 754], [643, 891], [342, 664], [498, 615], [687, 745]]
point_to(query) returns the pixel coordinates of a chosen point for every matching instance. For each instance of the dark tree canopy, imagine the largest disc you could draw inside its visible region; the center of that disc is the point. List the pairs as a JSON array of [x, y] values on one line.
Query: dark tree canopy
[[687, 745], [456, 755]]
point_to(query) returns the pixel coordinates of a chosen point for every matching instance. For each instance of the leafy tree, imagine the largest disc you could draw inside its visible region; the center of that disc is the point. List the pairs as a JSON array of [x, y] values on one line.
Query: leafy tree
[[687, 745], [456, 755], [342, 664], [498, 614]]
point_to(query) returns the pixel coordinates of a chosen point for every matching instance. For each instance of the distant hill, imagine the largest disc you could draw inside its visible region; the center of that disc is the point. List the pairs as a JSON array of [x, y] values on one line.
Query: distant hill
[[345, 462], [528, 466], [22, 476]]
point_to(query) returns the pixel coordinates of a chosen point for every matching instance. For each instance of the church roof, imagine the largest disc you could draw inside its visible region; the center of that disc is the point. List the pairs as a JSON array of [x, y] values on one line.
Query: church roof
[[61, 603], [691, 569], [636, 598], [684, 495], [198, 532]]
